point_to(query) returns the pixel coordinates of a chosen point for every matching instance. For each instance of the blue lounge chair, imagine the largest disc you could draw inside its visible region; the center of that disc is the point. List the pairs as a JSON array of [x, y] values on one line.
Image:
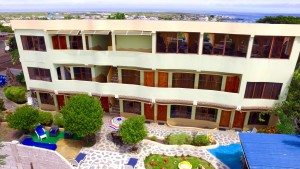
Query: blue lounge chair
[[40, 132], [54, 131], [77, 161], [131, 163]]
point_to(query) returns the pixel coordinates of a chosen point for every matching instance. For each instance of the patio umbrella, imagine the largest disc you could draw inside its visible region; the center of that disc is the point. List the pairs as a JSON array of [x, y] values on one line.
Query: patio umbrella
[[116, 122]]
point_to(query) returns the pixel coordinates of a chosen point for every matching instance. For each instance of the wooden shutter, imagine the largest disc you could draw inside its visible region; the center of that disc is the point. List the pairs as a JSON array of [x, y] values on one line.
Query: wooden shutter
[[162, 79], [149, 78]]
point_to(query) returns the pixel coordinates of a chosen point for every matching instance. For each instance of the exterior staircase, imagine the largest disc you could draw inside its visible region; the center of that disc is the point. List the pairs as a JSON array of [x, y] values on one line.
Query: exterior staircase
[[114, 78], [116, 108]]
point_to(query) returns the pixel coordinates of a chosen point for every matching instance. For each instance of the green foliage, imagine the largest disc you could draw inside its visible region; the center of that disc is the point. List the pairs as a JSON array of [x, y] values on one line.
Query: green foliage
[[153, 138], [5, 29], [286, 125], [2, 157], [45, 118], [201, 140], [69, 17], [1, 104], [21, 79], [118, 15], [24, 118], [179, 139], [133, 130], [13, 50], [280, 20], [58, 120], [82, 115], [15, 94]]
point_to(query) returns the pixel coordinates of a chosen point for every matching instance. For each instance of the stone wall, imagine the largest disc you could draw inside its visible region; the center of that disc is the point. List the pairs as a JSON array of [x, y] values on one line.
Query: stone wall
[[25, 157]]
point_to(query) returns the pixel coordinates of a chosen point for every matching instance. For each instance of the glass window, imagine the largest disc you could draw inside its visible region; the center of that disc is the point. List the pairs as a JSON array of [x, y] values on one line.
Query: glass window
[[183, 80], [75, 42], [256, 119], [82, 73], [39, 74], [178, 111], [210, 82], [263, 90], [130, 76], [46, 98], [36, 43], [209, 114], [132, 107]]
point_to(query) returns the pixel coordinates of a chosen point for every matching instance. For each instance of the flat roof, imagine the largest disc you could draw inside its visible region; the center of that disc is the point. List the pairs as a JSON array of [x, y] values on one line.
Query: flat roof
[[271, 150], [172, 26]]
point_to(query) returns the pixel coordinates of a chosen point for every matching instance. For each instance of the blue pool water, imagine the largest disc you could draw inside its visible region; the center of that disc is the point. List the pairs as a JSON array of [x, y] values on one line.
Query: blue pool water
[[229, 155]]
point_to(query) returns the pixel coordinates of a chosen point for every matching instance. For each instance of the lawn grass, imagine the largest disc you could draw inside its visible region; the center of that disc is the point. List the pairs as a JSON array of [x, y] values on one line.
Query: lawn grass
[[196, 162], [53, 140]]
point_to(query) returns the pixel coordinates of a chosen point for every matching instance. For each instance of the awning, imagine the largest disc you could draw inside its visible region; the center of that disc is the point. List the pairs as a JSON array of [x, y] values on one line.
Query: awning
[[96, 32], [132, 32], [64, 32]]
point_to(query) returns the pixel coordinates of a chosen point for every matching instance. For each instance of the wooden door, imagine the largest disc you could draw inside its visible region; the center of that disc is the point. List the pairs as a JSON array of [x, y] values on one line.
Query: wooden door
[[239, 118], [62, 42], [162, 112], [232, 84], [60, 101], [105, 103], [149, 78], [149, 111], [162, 79], [225, 118]]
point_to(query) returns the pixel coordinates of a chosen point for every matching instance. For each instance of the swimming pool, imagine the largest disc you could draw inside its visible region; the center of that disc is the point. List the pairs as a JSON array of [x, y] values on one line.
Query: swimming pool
[[229, 155]]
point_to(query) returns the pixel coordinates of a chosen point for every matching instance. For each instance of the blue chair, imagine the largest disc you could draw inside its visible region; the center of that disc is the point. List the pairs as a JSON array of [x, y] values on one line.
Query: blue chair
[[40, 132], [78, 160], [131, 163]]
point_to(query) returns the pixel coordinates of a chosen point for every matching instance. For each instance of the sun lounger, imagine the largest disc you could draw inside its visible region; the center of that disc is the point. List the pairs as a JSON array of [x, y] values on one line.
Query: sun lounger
[[131, 163], [78, 160], [40, 132]]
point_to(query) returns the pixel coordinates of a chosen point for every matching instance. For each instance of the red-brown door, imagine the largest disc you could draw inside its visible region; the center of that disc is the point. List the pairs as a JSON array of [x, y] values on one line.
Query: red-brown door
[[149, 78], [60, 101], [239, 118], [149, 111], [105, 103], [232, 84], [55, 42], [162, 79], [225, 118], [62, 42], [162, 112]]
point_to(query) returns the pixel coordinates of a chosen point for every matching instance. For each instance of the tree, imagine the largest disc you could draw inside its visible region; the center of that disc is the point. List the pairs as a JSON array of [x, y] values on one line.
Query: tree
[[5, 29], [117, 15], [2, 157], [133, 130], [13, 50], [82, 115], [24, 118], [286, 125], [280, 20]]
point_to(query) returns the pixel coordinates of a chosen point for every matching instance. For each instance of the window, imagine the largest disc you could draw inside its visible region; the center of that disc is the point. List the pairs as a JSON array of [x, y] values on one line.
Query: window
[[132, 107], [178, 111], [177, 42], [65, 74], [208, 114], [272, 47], [59, 42], [255, 119], [39, 74], [75, 42], [183, 80], [263, 90], [36, 43], [130, 76], [225, 44], [46, 98], [210, 82], [83, 73]]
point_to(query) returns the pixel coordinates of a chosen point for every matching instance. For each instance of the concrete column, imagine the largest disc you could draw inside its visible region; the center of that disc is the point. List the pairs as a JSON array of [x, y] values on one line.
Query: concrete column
[[72, 72], [168, 111], [113, 41], [68, 42], [231, 118], [196, 83], [142, 108], [223, 85], [153, 42], [120, 75], [170, 78], [90, 41], [48, 42], [246, 118], [142, 77], [121, 105], [155, 112], [193, 112], [62, 72], [55, 101], [251, 40], [156, 78], [219, 116], [201, 43], [38, 98], [93, 73], [83, 42]]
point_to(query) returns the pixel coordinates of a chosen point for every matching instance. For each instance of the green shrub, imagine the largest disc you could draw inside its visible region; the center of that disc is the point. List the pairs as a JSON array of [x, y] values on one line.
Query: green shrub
[[45, 118], [201, 140], [21, 79], [1, 104], [58, 120], [179, 139], [24, 118], [15, 94], [153, 138]]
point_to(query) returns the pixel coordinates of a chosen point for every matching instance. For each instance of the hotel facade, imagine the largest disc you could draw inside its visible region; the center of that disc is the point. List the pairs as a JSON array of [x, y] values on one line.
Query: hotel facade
[[195, 74]]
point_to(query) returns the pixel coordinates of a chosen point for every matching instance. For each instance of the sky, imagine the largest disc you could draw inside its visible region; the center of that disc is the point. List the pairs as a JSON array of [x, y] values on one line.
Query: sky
[[254, 6]]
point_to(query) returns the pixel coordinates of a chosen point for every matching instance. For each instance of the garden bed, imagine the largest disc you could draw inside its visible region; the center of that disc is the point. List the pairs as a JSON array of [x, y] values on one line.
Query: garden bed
[[157, 161], [8, 134]]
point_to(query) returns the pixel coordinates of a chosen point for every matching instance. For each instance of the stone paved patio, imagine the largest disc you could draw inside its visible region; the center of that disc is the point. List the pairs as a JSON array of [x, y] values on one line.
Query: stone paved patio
[[105, 154]]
